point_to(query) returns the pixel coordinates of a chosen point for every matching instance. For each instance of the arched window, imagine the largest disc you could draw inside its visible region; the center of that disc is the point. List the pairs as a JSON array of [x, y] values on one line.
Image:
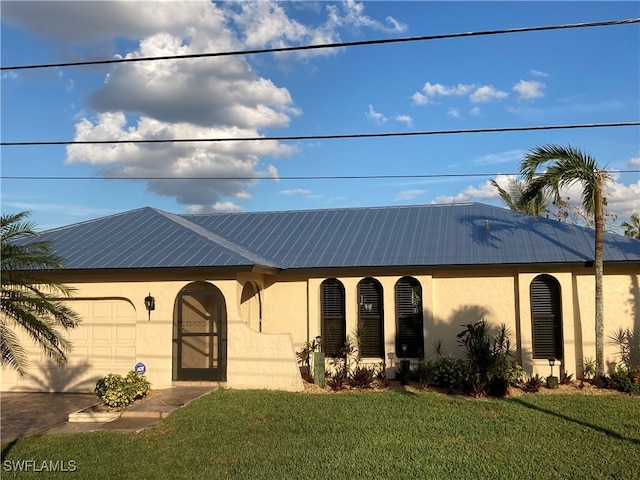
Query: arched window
[[546, 317], [370, 319], [334, 329], [409, 318]]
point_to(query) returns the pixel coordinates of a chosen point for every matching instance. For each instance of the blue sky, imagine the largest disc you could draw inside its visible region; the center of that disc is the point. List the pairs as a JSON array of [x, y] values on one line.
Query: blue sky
[[576, 76]]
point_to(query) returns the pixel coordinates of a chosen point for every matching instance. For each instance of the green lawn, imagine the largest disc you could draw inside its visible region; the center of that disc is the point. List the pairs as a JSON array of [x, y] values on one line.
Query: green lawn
[[277, 435]]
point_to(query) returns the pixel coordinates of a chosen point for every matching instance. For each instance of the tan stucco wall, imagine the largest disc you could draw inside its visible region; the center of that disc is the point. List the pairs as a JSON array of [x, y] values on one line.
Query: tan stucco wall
[[288, 311], [148, 339]]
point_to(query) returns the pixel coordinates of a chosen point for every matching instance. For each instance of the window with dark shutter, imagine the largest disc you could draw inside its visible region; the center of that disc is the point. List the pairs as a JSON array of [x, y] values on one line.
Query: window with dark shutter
[[333, 318], [370, 319], [409, 318], [546, 317]]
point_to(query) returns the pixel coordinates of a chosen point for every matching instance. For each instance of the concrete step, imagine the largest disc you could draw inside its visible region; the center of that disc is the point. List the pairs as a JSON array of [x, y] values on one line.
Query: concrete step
[[198, 384]]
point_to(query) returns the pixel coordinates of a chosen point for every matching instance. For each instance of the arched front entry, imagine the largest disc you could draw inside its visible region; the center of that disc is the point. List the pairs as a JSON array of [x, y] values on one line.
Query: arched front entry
[[200, 334]]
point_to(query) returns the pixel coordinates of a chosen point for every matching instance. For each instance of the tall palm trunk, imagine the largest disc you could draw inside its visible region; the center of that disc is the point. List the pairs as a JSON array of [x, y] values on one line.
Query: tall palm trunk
[[599, 266]]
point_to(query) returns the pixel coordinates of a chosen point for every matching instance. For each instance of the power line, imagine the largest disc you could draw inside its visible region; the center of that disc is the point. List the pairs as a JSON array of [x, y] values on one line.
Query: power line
[[627, 21], [325, 137], [293, 177]]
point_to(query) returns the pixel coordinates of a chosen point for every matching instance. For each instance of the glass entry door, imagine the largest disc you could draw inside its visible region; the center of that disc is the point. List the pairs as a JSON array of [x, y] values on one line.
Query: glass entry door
[[200, 334]]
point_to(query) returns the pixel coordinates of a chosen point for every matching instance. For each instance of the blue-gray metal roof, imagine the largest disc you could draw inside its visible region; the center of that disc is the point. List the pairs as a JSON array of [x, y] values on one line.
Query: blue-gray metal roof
[[422, 235]]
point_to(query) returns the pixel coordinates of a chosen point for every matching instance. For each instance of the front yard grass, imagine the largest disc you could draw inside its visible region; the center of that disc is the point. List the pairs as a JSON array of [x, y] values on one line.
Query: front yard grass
[[393, 434]]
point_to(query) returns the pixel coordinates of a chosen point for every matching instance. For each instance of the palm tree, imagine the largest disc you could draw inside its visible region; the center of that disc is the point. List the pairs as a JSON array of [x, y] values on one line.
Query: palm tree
[[512, 196], [632, 229], [31, 302], [564, 166]]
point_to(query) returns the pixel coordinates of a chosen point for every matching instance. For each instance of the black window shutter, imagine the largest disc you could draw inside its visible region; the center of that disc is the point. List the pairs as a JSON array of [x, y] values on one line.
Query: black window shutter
[[546, 317], [333, 318], [371, 319], [409, 316]]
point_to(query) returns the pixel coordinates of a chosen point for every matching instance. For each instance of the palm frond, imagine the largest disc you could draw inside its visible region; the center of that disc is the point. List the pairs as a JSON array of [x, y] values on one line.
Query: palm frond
[[32, 301]]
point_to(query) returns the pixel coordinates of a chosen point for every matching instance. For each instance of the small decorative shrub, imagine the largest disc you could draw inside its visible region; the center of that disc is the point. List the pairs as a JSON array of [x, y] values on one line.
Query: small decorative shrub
[[490, 367], [533, 384], [421, 373], [566, 378], [117, 391], [337, 380], [381, 376], [588, 368], [625, 379], [445, 373], [362, 376]]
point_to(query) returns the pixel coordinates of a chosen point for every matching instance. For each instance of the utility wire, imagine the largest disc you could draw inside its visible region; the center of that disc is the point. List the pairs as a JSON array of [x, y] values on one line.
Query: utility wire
[[327, 45], [325, 137], [293, 177]]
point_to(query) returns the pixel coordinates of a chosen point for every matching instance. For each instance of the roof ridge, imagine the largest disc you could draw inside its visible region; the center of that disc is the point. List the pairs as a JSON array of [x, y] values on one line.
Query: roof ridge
[[213, 237], [307, 210]]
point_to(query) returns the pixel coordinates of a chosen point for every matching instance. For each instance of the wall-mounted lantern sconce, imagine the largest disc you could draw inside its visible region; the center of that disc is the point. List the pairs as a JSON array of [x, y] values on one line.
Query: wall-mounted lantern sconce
[[149, 304]]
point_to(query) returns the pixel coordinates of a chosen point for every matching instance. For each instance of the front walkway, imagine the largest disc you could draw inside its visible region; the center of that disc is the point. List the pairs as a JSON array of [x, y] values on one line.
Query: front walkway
[[46, 413]]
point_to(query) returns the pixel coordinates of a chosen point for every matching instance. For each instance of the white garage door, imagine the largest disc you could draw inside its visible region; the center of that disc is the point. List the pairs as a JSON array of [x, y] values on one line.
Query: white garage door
[[104, 342]]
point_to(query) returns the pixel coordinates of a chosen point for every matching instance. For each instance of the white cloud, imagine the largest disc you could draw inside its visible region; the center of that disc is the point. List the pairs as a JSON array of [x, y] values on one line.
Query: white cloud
[[351, 14], [419, 99], [225, 207], [10, 75], [622, 200], [538, 73], [474, 111], [408, 195], [529, 89], [217, 161], [296, 191], [511, 156], [221, 97], [453, 112], [272, 172], [406, 119], [634, 162], [487, 93], [485, 191], [375, 117], [435, 90]]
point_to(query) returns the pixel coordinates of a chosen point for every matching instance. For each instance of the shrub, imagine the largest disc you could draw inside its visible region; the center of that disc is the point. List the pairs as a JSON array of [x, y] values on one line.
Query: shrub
[[362, 376], [491, 367], [381, 376], [625, 379], [117, 391], [566, 378], [445, 373], [533, 384], [588, 368], [337, 380]]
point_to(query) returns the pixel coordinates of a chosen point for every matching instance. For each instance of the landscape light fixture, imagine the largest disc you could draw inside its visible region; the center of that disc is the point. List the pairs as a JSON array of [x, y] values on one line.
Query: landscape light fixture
[[150, 304], [552, 362], [404, 350]]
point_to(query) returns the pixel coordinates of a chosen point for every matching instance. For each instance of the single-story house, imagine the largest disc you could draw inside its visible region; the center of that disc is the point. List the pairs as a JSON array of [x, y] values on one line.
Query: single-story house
[[230, 297]]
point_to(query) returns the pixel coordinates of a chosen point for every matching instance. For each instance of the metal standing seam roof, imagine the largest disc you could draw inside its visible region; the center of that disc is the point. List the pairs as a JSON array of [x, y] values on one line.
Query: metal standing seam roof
[[421, 235]]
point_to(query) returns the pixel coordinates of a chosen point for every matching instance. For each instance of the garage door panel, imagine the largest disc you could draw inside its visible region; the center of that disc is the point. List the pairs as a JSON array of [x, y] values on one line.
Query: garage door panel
[[104, 342]]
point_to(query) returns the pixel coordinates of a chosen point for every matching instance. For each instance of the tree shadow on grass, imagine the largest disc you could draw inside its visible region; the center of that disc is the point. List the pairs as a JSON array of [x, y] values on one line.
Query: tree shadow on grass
[[606, 431]]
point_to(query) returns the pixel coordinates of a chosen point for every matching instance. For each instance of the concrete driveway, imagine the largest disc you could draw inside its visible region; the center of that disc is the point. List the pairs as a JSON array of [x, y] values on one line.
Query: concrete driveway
[[29, 413]]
